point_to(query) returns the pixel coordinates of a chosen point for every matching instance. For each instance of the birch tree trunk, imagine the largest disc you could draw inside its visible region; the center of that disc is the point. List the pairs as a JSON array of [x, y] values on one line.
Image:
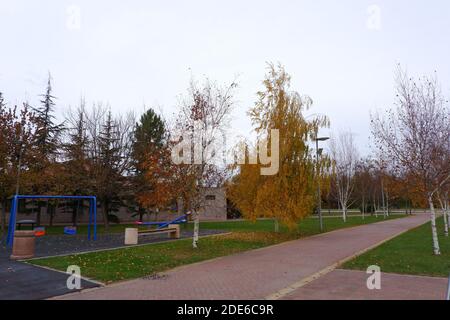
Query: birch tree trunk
[[387, 203], [382, 200], [444, 210], [196, 230], [445, 222], [344, 212], [436, 249], [363, 208], [447, 210]]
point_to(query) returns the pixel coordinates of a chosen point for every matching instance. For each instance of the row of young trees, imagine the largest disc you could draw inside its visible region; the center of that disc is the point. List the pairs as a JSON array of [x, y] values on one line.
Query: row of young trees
[[345, 179], [413, 141], [363, 184], [410, 166]]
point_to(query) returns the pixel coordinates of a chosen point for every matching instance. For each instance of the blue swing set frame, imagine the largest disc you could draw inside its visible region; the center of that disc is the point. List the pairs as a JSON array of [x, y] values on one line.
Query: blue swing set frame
[[15, 205]]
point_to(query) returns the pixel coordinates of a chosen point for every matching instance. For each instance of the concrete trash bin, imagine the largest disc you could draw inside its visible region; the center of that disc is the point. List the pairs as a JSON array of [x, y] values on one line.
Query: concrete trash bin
[[24, 245], [131, 236]]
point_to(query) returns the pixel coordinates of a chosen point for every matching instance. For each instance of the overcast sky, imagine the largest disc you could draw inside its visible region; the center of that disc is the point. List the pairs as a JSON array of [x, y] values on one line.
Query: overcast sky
[[129, 53]]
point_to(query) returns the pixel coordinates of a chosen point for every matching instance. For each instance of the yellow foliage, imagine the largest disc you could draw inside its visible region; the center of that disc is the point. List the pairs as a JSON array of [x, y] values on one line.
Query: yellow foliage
[[288, 196]]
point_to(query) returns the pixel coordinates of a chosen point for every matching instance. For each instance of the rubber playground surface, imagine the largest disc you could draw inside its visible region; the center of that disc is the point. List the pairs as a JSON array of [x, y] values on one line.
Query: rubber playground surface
[[22, 281]]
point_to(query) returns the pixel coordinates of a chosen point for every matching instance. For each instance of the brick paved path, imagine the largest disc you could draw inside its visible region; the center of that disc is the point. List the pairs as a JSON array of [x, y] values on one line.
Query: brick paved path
[[351, 285], [260, 273]]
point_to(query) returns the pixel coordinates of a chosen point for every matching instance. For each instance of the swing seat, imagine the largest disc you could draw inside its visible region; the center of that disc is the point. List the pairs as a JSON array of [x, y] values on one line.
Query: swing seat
[[39, 232], [70, 231]]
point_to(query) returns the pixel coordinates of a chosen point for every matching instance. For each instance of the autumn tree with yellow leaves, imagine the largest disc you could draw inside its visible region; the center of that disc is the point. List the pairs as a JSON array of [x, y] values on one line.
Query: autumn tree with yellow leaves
[[289, 195]]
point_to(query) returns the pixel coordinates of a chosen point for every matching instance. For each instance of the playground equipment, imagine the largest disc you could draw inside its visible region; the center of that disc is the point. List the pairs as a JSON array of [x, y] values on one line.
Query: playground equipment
[[70, 231], [162, 225], [15, 205], [39, 232]]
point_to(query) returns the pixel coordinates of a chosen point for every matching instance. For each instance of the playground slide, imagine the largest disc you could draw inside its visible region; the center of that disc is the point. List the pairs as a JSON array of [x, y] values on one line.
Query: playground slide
[[178, 220], [162, 225]]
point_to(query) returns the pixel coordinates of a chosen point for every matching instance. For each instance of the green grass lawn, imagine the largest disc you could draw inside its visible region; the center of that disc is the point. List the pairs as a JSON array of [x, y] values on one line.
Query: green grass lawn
[[261, 225], [307, 227], [134, 262], [409, 253]]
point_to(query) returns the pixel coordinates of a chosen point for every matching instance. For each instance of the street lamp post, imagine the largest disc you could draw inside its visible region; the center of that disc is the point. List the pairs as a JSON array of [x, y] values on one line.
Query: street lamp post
[[319, 195]]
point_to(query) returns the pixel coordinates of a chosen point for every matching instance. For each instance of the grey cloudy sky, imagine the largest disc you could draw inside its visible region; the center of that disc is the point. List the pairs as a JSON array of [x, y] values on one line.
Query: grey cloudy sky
[[129, 53]]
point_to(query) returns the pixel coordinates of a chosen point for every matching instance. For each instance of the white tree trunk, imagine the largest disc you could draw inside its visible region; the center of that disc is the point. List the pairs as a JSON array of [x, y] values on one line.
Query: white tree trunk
[[444, 210], [363, 209], [447, 210], [375, 208], [445, 223], [382, 199], [436, 249], [344, 213], [196, 230], [277, 226], [387, 203]]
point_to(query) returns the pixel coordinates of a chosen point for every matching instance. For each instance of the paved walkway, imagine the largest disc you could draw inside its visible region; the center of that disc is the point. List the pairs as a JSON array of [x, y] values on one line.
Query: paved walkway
[[351, 285], [273, 272]]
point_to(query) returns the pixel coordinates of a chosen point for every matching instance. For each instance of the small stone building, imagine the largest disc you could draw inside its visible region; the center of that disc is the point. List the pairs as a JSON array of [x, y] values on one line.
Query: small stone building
[[215, 204]]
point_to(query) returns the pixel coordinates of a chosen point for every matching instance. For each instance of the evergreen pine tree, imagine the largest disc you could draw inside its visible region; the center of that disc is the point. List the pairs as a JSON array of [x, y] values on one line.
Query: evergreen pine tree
[[48, 133], [149, 134], [109, 177], [47, 148], [77, 162]]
